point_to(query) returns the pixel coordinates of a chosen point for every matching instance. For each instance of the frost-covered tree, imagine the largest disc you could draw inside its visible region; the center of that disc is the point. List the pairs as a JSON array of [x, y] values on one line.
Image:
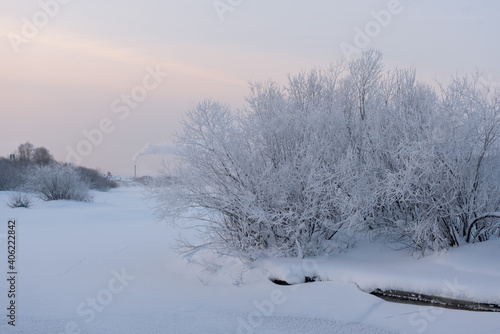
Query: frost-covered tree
[[305, 166]]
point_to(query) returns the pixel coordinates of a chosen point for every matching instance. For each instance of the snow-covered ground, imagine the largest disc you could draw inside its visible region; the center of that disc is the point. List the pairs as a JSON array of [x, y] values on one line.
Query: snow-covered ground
[[109, 267]]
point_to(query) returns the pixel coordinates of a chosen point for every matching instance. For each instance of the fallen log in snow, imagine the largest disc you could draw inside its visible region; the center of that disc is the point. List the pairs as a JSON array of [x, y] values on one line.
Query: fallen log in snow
[[398, 296], [405, 297]]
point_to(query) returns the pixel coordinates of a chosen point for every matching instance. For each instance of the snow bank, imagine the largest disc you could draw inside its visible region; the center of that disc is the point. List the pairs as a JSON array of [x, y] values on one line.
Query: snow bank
[[471, 272]]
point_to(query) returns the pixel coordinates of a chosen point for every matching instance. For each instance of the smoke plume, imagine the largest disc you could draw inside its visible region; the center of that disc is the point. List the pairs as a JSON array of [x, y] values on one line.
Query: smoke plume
[[163, 148]]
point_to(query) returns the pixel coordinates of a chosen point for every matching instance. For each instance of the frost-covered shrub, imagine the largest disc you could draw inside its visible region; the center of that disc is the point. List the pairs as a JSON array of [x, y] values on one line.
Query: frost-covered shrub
[[440, 166], [57, 182], [304, 167]]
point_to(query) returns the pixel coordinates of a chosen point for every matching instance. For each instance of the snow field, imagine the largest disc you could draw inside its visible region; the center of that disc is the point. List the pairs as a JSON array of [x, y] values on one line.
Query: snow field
[[109, 267]]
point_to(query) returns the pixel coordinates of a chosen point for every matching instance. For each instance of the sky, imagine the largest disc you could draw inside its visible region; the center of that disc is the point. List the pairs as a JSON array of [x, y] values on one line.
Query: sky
[[97, 82]]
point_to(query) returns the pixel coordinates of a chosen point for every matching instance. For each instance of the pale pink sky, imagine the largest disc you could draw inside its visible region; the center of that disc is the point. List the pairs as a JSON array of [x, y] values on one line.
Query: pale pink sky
[[72, 74]]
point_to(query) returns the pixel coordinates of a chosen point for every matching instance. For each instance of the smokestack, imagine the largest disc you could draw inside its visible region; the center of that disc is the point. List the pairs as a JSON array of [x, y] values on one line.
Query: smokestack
[[135, 171]]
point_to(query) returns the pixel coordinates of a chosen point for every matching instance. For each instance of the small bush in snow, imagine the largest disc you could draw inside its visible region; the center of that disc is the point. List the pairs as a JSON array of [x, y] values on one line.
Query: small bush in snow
[[58, 182], [19, 200]]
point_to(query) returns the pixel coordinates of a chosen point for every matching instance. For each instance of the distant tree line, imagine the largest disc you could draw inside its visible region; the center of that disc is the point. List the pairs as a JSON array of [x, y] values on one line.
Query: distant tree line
[[34, 170]]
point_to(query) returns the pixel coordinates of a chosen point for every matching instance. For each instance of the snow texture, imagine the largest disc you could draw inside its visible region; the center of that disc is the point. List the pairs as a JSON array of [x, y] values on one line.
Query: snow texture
[[70, 255]]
